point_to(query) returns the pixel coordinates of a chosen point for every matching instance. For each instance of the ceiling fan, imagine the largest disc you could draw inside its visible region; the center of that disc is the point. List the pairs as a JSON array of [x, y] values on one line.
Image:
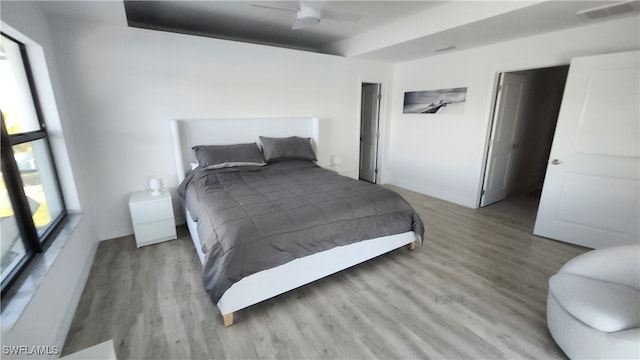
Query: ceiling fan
[[310, 13]]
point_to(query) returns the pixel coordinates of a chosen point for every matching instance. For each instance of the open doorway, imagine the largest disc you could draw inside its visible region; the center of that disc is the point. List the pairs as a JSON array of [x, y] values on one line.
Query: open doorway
[[524, 122], [369, 132]]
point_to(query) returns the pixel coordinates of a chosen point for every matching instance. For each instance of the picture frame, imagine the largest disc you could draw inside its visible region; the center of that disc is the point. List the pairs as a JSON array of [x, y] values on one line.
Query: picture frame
[[440, 101]]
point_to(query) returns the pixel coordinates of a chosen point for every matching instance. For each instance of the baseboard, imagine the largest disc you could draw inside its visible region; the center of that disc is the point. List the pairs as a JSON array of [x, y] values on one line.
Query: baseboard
[[115, 234]]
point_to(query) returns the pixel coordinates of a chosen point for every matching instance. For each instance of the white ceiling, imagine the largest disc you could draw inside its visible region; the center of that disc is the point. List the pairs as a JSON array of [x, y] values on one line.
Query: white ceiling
[[541, 17], [391, 31]]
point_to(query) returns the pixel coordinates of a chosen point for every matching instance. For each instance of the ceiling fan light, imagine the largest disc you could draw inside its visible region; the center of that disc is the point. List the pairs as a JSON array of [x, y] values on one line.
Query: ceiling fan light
[[308, 20], [307, 17]]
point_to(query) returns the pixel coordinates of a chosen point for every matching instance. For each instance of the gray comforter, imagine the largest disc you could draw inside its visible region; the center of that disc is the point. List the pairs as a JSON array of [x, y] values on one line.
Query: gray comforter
[[254, 218]]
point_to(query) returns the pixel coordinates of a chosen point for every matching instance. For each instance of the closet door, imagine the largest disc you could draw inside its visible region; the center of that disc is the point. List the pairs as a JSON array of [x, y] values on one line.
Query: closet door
[[503, 148]]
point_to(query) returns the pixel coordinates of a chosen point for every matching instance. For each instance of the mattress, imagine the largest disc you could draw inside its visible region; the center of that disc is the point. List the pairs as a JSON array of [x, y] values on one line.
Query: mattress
[[251, 219]]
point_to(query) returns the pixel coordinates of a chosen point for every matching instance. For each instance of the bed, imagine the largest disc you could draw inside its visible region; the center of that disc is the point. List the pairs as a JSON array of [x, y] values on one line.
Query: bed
[[262, 230]]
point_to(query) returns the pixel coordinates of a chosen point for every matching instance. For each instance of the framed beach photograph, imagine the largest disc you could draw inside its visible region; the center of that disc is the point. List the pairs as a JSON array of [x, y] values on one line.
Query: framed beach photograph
[[441, 101]]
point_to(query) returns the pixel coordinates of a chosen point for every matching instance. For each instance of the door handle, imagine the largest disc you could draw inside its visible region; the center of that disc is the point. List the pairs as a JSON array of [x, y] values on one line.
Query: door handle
[[515, 146], [555, 162]]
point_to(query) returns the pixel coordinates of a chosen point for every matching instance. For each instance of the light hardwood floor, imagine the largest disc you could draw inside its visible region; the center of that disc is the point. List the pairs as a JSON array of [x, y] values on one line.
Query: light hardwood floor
[[477, 288]]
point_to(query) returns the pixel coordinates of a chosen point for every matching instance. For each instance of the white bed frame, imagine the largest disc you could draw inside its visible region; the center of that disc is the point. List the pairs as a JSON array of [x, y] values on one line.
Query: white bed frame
[[269, 283]]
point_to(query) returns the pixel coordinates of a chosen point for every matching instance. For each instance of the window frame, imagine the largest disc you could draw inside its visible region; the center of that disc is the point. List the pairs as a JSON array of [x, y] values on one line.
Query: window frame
[[33, 242]]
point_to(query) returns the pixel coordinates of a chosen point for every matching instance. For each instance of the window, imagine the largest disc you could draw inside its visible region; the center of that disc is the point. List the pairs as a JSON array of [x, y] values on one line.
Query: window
[[31, 204]]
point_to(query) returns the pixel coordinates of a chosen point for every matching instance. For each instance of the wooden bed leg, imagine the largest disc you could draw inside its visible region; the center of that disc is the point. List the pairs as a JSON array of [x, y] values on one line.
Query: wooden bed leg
[[411, 245], [228, 319]]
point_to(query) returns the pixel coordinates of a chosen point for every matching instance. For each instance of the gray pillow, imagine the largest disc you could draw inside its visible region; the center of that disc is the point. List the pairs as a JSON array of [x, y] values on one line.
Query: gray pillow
[[222, 156], [290, 148]]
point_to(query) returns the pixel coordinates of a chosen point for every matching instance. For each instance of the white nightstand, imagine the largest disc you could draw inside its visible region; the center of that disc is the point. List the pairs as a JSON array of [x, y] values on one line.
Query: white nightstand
[[152, 217]]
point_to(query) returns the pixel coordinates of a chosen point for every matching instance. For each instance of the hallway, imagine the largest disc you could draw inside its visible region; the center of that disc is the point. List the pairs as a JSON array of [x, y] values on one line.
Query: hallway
[[518, 209]]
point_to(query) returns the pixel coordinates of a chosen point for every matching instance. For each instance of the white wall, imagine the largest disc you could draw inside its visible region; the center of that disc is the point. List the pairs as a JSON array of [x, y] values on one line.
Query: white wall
[[128, 83], [443, 155], [46, 319]]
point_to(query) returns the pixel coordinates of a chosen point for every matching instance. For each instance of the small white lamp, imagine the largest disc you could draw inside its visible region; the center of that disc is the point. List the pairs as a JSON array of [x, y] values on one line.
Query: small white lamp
[[155, 184]]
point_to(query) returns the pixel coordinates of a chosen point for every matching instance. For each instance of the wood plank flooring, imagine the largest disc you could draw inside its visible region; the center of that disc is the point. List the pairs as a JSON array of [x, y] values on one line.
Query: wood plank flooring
[[476, 289]]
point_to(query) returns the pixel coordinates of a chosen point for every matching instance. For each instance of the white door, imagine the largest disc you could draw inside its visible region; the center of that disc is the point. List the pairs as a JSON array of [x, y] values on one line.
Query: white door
[[503, 146], [591, 189], [369, 115]]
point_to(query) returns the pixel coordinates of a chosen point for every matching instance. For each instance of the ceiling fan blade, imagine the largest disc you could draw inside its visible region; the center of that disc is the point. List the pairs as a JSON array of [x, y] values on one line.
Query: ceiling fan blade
[[310, 12], [340, 15], [270, 7]]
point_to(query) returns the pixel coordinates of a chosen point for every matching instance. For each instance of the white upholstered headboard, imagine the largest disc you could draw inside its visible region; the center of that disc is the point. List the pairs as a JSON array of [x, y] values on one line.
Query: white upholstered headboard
[[191, 132]]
